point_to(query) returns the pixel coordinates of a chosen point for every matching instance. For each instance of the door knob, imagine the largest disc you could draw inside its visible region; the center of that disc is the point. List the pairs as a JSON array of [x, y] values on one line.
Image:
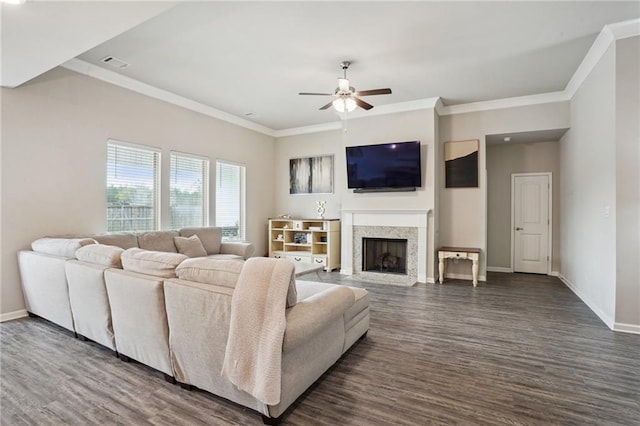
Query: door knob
[[519, 229]]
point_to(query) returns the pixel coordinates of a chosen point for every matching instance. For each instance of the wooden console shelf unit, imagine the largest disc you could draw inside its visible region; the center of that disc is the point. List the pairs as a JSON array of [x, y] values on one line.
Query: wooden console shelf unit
[[312, 241]]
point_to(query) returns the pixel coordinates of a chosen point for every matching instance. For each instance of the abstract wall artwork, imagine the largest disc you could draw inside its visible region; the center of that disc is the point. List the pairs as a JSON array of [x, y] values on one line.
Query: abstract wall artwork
[[311, 175], [461, 164]]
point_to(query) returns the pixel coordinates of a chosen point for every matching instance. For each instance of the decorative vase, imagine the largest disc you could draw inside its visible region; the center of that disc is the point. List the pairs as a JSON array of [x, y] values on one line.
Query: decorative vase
[[320, 208]]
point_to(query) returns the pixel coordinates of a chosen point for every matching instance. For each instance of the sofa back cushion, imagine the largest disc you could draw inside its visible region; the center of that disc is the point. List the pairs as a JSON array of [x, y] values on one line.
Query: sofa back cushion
[[156, 263], [101, 254], [158, 241], [190, 246], [123, 240], [211, 237], [223, 273], [64, 247]]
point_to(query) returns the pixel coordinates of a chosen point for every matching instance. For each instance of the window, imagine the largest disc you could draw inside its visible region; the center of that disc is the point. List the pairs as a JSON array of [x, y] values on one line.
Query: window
[[188, 194], [230, 200], [132, 187]]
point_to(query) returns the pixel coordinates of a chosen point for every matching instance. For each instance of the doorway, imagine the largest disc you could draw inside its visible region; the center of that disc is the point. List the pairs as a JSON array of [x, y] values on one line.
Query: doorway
[[531, 222]]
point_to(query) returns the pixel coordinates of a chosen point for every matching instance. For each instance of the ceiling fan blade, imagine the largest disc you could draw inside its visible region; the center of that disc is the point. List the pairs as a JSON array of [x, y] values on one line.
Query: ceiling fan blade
[[374, 92], [326, 106], [362, 104], [318, 94]]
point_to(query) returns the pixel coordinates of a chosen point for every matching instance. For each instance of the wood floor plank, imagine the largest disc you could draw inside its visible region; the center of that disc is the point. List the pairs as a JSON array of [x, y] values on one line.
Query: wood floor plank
[[519, 349]]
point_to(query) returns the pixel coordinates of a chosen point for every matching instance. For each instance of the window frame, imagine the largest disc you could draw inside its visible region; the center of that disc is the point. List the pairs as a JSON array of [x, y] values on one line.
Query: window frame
[[206, 177], [157, 181], [242, 201]]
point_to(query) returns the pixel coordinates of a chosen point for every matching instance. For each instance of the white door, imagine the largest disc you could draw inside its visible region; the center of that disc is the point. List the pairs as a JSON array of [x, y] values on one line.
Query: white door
[[531, 224]]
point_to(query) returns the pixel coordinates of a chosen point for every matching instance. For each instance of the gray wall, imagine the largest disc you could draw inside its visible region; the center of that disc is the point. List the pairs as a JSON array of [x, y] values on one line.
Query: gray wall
[[588, 191], [600, 189], [463, 211], [405, 126], [502, 161], [628, 183], [54, 134]]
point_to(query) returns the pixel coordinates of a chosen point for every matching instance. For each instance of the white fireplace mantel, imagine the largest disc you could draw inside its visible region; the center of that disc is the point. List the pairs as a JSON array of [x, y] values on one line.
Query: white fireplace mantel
[[388, 218]]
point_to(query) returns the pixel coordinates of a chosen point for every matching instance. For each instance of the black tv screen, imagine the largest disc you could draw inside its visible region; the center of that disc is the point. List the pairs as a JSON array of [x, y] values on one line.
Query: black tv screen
[[389, 165]]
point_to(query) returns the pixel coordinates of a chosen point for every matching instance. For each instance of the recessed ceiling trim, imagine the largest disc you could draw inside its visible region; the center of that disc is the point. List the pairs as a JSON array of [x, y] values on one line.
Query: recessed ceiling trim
[[91, 70]]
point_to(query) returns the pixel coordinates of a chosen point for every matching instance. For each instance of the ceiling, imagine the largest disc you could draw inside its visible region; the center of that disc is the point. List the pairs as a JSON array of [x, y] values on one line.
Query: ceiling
[[250, 59]]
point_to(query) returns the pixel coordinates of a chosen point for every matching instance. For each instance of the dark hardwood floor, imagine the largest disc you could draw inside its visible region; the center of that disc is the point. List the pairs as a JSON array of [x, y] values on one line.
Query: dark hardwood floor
[[517, 350]]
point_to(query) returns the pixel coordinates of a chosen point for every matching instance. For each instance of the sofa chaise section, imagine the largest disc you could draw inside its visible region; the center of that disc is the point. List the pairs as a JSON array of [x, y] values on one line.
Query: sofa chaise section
[[314, 337]]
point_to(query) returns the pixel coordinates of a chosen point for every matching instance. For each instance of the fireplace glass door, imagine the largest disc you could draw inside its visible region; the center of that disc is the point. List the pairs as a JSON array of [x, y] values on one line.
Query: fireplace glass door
[[385, 255]]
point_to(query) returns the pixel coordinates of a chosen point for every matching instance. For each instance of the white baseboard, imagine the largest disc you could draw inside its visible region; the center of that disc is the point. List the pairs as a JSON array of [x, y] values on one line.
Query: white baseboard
[[431, 280], [626, 328], [605, 318], [13, 315], [555, 274], [499, 269], [464, 277]]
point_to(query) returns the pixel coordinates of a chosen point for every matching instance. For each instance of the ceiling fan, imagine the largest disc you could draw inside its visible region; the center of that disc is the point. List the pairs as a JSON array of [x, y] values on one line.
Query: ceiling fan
[[346, 96]]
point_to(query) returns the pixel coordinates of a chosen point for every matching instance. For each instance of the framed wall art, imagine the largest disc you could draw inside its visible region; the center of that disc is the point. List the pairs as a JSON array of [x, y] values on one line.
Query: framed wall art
[[461, 164], [311, 175]]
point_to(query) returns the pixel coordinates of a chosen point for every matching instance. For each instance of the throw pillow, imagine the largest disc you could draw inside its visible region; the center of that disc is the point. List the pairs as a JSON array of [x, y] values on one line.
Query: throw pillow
[[211, 237], [190, 246]]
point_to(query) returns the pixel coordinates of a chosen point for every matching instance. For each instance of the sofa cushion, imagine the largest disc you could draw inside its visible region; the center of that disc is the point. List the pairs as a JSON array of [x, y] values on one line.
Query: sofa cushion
[[158, 241], [123, 240], [223, 273], [211, 237], [101, 254], [221, 256], [190, 246], [64, 247], [157, 263]]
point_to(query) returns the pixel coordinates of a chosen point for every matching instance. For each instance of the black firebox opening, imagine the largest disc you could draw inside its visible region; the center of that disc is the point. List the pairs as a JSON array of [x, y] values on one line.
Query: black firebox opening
[[386, 255]]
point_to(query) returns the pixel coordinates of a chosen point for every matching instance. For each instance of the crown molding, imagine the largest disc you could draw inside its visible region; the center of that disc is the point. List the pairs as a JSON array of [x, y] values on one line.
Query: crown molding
[[519, 101], [304, 130], [420, 104], [605, 38], [608, 35], [591, 59], [624, 29], [91, 70]]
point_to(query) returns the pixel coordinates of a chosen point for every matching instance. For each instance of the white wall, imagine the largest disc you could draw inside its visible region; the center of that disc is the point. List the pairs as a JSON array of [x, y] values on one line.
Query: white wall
[[628, 183], [54, 134], [502, 161], [406, 126], [463, 211], [588, 191]]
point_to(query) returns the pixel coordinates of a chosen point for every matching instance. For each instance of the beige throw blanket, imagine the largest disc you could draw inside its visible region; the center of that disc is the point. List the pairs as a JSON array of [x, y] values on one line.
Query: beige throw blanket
[[253, 357]]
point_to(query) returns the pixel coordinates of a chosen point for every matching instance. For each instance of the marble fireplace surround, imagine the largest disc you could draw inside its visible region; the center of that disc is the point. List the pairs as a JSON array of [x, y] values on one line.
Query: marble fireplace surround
[[406, 224]]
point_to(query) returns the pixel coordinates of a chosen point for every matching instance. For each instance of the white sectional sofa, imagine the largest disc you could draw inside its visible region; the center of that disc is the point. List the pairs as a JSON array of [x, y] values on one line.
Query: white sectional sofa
[[138, 296]]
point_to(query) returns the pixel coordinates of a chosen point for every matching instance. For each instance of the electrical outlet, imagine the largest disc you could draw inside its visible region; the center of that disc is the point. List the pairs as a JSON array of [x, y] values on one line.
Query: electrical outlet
[[607, 211]]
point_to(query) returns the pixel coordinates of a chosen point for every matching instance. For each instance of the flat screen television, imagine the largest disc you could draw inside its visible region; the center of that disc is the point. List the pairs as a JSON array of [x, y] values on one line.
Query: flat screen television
[[389, 166]]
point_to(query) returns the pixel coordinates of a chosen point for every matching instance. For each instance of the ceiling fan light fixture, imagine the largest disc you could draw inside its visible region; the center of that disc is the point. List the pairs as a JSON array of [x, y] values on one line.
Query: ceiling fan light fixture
[[343, 104]]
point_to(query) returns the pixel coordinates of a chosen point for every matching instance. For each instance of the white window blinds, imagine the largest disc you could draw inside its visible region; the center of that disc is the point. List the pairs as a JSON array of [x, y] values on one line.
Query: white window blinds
[[230, 200], [132, 187], [188, 195]]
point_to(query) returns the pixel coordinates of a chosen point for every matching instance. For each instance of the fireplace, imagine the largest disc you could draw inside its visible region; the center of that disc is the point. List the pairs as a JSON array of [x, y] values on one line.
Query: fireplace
[[384, 255], [407, 225]]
